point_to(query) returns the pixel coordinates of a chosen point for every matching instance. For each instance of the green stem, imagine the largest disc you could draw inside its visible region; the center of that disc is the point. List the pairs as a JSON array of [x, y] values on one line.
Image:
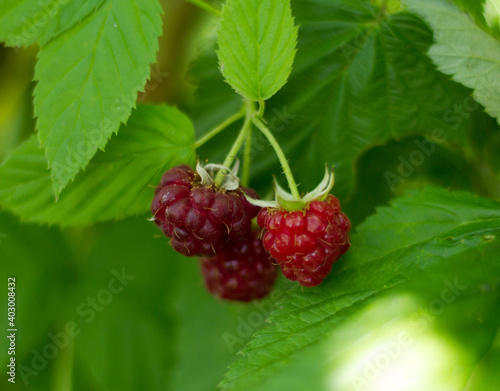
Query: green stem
[[262, 108], [246, 159], [207, 7], [214, 132], [234, 149], [281, 156], [63, 372]]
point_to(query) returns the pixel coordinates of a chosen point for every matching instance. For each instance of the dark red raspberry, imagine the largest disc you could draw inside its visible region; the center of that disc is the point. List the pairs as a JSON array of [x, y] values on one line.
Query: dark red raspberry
[[200, 219], [306, 243], [243, 271]]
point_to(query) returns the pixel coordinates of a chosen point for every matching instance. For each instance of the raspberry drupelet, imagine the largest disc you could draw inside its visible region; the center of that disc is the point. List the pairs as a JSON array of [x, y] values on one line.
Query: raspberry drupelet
[[200, 219], [243, 271], [307, 242]]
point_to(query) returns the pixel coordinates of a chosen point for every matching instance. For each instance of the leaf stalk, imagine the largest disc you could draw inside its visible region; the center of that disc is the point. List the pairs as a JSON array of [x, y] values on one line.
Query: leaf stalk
[[205, 6]]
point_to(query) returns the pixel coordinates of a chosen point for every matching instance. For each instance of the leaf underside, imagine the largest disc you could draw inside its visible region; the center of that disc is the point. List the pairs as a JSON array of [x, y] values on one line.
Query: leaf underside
[[463, 50]]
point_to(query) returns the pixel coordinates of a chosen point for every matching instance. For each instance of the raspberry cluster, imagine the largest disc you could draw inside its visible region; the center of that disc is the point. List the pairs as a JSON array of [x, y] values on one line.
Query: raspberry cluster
[[199, 219], [243, 271], [215, 223], [307, 242]]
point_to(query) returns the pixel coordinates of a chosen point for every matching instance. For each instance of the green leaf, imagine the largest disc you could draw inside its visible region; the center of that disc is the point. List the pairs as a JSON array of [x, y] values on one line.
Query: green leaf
[[361, 78], [117, 183], [486, 372], [23, 23], [479, 11], [418, 333], [492, 13], [433, 228], [463, 50], [88, 80], [257, 40], [379, 175]]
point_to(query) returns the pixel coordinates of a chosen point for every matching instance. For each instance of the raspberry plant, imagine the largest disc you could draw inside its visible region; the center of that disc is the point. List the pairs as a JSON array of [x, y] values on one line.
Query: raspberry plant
[[383, 275]]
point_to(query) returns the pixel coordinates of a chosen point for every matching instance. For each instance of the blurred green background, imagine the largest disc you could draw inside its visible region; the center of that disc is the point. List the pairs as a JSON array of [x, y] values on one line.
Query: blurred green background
[[163, 331]]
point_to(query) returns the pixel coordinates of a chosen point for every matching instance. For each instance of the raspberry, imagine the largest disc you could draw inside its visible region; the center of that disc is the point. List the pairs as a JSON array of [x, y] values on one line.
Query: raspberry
[[306, 243], [242, 271], [198, 219]]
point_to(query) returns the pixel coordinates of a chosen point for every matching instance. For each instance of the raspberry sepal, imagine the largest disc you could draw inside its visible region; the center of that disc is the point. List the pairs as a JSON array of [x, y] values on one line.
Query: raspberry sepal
[[285, 200]]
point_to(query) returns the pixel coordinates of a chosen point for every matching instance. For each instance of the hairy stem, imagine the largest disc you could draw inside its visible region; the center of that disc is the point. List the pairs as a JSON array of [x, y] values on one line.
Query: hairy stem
[[219, 128], [205, 6], [281, 156]]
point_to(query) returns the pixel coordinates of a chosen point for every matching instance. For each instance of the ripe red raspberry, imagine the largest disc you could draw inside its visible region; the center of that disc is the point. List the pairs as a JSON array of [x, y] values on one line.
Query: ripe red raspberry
[[200, 219], [243, 271], [307, 242]]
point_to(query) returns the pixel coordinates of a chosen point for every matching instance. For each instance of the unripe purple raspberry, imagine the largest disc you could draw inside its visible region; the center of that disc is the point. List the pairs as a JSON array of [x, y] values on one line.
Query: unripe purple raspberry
[[243, 271], [199, 219]]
